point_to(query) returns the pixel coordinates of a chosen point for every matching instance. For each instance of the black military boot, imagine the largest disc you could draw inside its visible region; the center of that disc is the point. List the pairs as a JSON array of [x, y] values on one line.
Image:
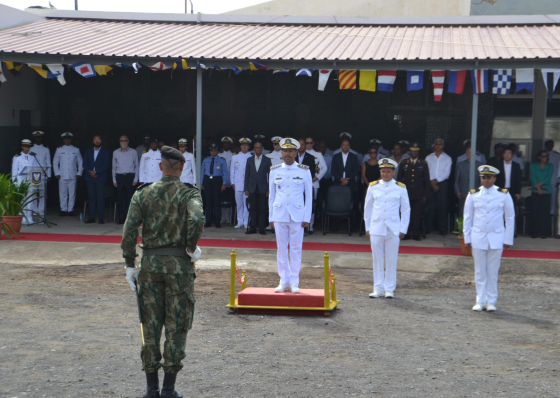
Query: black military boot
[[152, 382], [168, 388]]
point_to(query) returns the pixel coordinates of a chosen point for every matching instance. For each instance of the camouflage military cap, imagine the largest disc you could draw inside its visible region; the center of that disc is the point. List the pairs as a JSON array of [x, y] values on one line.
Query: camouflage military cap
[[171, 154]]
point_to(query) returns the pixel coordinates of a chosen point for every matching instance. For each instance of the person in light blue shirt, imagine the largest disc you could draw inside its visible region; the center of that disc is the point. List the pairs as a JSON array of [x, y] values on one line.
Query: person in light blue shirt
[[214, 177]]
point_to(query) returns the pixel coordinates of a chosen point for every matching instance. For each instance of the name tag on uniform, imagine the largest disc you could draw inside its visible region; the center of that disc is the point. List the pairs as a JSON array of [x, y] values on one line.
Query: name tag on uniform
[[298, 178], [147, 158], [217, 167]]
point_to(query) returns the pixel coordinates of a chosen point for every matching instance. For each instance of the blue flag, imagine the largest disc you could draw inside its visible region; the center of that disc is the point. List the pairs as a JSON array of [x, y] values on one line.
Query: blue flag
[[304, 72], [414, 80]]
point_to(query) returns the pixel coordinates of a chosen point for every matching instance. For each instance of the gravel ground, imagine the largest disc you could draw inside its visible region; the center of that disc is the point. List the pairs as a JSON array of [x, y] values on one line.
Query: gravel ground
[[73, 332]]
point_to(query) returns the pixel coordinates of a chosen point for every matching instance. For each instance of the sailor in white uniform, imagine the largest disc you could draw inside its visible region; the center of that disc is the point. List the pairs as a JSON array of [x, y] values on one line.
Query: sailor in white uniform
[[276, 155], [320, 171], [384, 200], [488, 227], [189, 169], [289, 204], [226, 154], [67, 167], [22, 166], [149, 170], [237, 178], [43, 156]]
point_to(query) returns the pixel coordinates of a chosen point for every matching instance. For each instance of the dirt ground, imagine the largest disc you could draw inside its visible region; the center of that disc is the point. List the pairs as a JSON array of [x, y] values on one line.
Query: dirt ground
[[73, 332]]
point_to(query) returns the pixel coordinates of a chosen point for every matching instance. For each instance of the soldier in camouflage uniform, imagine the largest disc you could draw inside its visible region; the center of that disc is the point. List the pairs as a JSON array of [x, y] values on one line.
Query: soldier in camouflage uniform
[[171, 216]]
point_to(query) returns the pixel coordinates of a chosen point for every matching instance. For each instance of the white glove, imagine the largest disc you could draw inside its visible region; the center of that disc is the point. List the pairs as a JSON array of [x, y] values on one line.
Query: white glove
[[195, 255], [132, 277]]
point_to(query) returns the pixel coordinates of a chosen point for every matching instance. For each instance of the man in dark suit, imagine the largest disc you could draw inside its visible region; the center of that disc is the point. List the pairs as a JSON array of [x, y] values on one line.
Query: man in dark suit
[[257, 170], [345, 167], [304, 157], [96, 167], [510, 175]]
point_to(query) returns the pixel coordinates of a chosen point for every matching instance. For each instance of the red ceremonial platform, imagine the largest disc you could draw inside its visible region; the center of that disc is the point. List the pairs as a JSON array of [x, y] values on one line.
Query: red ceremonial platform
[[263, 300]]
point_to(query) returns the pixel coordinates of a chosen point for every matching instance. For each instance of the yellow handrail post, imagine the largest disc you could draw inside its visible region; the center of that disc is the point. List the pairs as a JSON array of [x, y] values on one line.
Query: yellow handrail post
[[333, 288], [244, 279], [232, 281], [327, 300]]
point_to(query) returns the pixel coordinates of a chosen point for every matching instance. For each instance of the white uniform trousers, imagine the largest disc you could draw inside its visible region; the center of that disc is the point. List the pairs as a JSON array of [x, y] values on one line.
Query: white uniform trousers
[[292, 233], [486, 267], [242, 212], [385, 248], [28, 210], [67, 194], [312, 222]]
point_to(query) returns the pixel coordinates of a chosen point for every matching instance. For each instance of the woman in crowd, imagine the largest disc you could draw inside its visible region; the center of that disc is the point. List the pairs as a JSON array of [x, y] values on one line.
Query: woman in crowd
[[541, 174], [370, 169]]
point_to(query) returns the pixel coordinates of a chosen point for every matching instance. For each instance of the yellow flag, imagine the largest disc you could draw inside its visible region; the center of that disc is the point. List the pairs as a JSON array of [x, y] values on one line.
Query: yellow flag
[[368, 80], [102, 70], [39, 69]]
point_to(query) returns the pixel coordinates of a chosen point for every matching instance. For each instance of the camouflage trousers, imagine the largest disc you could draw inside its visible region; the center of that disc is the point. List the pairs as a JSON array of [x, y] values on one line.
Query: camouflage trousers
[[165, 300]]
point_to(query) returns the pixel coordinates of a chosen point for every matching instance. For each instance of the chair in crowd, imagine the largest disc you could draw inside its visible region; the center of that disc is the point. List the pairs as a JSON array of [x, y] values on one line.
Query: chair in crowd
[[338, 204], [227, 201]]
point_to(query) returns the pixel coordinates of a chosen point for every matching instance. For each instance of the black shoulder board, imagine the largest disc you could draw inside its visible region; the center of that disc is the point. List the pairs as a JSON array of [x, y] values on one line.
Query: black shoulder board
[[142, 186], [190, 185]]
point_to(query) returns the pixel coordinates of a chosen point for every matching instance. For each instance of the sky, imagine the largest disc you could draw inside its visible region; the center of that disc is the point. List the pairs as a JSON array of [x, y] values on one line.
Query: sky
[[174, 6]]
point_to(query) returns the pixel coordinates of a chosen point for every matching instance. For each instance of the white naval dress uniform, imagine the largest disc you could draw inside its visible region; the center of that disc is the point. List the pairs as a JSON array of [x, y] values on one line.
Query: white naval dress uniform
[[22, 166], [237, 178], [483, 227], [383, 202], [149, 167], [68, 164], [226, 212], [288, 207], [320, 171], [43, 156], [189, 169], [275, 157]]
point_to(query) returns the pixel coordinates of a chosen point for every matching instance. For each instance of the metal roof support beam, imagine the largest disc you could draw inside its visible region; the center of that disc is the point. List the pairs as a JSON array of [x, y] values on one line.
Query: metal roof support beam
[[540, 104], [473, 181], [199, 124]]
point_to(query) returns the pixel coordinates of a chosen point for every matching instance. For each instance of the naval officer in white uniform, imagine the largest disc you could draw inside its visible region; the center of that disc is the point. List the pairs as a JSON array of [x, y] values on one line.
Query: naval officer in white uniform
[[487, 210], [189, 169], [23, 165], [149, 170], [43, 157], [68, 166], [289, 203], [385, 198], [237, 178], [276, 154]]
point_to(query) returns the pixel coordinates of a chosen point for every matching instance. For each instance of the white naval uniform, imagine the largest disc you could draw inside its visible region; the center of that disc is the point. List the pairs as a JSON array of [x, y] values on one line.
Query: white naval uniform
[[43, 155], [68, 164], [22, 166], [484, 215], [275, 157], [320, 170], [288, 208], [383, 202], [237, 178], [149, 167], [189, 169]]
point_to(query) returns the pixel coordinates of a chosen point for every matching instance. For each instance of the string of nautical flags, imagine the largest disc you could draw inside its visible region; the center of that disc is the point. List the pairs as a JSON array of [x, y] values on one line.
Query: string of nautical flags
[[497, 81]]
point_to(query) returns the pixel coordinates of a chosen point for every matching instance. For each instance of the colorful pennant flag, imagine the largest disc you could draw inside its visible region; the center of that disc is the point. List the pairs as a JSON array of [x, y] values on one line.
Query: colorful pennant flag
[[14, 67], [122, 65], [347, 79], [502, 81], [280, 70], [44, 73], [386, 80], [550, 77], [86, 70], [102, 70], [200, 66], [136, 66], [304, 72], [324, 78], [158, 66], [524, 80], [58, 71], [456, 83], [256, 66], [414, 80], [438, 78], [2, 75], [237, 70], [216, 67], [368, 80], [180, 64], [479, 79]]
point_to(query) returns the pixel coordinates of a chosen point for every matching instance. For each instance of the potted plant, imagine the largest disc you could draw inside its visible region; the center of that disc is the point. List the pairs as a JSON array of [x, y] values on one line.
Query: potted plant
[[465, 251], [14, 197]]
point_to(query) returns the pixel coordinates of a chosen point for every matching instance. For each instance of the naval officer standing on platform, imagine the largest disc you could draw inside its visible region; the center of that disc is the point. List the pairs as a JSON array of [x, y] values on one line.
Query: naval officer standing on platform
[[43, 157], [68, 167], [213, 179], [486, 211], [24, 166], [384, 199], [149, 170], [289, 203]]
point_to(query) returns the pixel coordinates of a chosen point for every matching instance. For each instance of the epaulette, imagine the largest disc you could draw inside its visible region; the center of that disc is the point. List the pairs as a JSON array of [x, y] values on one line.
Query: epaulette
[[275, 166], [190, 185], [474, 190], [142, 186], [373, 183], [503, 190], [143, 152], [303, 166], [401, 184], [233, 153], [16, 155]]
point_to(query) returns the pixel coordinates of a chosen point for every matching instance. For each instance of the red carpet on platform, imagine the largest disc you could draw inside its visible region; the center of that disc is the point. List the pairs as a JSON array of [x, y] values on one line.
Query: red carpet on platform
[[318, 246]]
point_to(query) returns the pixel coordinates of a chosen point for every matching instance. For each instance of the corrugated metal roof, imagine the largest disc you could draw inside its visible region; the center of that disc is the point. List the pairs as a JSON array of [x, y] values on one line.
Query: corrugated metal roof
[[281, 42]]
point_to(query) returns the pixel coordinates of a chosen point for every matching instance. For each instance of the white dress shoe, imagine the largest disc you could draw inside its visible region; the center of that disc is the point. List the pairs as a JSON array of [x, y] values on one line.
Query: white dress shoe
[[478, 307], [376, 293], [239, 226], [295, 289], [282, 288], [490, 307], [389, 294]]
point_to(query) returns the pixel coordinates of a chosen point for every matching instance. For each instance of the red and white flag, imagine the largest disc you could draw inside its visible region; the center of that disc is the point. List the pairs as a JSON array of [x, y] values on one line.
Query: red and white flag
[[438, 78], [324, 78], [86, 70], [159, 66]]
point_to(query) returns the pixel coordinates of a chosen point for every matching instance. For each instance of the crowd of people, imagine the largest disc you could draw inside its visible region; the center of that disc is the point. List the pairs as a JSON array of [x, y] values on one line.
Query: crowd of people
[[237, 169]]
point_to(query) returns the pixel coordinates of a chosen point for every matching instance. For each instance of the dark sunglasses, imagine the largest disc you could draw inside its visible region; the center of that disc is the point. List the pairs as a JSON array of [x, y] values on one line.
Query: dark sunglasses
[[309, 143], [373, 153], [123, 140]]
